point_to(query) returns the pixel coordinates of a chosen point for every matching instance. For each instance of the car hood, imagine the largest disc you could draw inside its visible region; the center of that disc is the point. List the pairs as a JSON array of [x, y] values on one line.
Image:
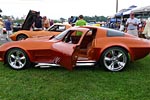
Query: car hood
[[29, 44], [40, 38]]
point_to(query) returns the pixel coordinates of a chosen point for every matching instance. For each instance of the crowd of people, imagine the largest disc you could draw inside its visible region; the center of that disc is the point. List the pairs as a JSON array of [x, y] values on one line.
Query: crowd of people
[[133, 26], [138, 28], [41, 23]]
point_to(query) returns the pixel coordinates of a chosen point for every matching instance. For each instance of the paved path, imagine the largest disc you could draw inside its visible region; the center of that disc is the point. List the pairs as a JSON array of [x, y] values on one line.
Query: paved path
[[3, 39]]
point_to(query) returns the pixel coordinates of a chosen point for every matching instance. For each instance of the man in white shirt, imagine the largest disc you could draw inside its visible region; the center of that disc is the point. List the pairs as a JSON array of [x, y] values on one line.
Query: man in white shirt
[[132, 24]]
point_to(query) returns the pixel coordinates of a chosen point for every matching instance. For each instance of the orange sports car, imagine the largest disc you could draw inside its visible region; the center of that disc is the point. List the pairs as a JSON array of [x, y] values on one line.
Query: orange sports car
[[53, 30], [26, 32], [111, 49]]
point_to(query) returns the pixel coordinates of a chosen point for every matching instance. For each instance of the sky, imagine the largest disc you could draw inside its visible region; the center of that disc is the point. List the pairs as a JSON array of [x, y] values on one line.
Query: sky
[[55, 9]]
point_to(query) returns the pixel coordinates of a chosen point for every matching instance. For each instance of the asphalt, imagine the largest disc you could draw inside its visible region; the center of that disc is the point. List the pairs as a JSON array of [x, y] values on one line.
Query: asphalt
[[3, 39]]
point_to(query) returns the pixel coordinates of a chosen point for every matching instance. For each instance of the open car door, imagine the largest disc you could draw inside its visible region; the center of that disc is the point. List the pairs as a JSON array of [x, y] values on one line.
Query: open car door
[[32, 15], [67, 52]]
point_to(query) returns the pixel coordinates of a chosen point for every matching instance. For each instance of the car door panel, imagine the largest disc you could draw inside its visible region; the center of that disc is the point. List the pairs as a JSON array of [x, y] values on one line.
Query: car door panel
[[65, 55]]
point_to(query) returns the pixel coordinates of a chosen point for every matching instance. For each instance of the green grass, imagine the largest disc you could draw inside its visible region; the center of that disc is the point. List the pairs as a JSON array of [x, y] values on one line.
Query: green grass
[[83, 83]]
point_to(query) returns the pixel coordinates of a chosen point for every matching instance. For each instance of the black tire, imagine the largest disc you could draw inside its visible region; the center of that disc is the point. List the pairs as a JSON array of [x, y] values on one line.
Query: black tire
[[114, 59], [17, 59], [21, 37]]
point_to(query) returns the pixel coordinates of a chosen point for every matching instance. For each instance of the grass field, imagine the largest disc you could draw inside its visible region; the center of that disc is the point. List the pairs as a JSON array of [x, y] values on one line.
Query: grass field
[[83, 83]]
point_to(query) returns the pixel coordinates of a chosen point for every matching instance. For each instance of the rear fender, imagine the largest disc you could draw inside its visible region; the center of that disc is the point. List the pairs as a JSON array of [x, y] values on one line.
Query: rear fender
[[121, 46]]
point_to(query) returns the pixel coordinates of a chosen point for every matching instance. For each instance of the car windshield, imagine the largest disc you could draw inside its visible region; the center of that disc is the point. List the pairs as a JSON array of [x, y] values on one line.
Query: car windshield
[[61, 35], [57, 28], [49, 29]]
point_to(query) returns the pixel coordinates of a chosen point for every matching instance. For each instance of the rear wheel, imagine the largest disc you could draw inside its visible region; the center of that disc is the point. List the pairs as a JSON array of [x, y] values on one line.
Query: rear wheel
[[21, 37], [114, 59], [17, 59]]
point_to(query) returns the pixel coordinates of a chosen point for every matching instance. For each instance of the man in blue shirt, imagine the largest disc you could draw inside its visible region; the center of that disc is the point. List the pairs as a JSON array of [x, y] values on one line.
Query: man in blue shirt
[[8, 25]]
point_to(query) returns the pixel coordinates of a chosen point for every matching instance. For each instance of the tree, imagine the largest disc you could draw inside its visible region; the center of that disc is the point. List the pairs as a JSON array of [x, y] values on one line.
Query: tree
[[95, 18], [62, 19]]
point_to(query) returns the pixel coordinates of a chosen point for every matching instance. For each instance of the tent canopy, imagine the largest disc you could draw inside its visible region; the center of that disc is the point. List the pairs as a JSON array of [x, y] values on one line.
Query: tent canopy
[[121, 12], [142, 9], [129, 11]]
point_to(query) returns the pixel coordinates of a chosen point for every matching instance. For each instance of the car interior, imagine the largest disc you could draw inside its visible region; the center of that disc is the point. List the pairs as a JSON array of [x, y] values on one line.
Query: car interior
[[57, 28], [86, 44]]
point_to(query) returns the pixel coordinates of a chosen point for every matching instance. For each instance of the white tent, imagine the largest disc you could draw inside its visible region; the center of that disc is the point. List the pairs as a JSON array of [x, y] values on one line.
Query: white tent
[[142, 9], [125, 11], [129, 11]]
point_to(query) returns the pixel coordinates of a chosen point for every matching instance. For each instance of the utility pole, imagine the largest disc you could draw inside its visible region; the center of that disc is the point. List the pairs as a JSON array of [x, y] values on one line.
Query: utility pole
[[116, 6]]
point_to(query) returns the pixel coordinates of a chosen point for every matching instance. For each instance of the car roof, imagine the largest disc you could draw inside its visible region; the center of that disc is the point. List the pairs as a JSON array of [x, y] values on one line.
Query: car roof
[[79, 28]]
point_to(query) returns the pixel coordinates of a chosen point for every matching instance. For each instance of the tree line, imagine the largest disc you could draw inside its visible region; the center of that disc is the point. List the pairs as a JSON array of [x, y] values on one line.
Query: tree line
[[87, 18]]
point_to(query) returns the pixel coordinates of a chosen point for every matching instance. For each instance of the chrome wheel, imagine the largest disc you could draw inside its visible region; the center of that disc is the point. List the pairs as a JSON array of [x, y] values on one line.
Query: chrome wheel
[[115, 59], [17, 59]]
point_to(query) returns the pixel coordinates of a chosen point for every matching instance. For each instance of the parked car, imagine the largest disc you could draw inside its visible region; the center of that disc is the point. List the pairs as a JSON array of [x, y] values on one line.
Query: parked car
[[109, 48], [16, 27], [53, 30], [26, 32]]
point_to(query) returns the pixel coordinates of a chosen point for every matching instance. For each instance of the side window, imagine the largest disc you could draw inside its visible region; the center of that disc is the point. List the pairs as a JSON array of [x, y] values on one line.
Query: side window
[[88, 38], [72, 37]]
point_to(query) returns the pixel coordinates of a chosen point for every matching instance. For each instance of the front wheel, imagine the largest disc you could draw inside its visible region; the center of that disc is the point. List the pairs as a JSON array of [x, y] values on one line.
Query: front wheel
[[17, 59], [114, 59]]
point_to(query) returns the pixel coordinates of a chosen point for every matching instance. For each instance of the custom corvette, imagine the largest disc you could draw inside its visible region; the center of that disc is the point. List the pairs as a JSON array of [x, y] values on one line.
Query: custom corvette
[[110, 49], [27, 32]]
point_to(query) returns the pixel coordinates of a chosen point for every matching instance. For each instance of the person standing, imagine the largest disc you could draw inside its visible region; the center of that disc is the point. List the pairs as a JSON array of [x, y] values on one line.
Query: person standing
[[1, 28], [80, 22], [146, 30], [51, 22], [46, 23], [38, 25], [132, 25], [8, 25], [70, 20]]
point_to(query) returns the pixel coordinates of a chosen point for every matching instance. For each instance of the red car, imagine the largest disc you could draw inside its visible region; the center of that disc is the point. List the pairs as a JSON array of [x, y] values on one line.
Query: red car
[[109, 48]]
